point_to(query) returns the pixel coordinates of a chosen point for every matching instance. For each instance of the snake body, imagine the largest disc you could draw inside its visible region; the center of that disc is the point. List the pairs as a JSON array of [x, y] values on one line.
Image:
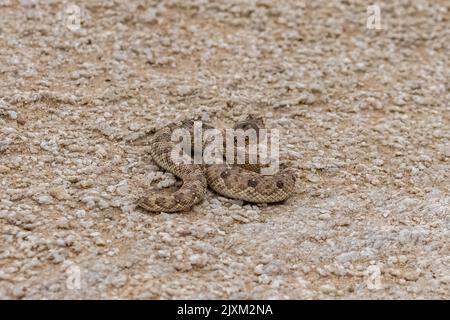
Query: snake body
[[232, 181]]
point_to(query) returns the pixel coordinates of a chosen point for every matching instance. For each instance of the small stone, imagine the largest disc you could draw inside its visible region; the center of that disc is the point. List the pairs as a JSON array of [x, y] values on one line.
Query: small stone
[[316, 87], [398, 101], [122, 189], [346, 257], [101, 151], [62, 223], [28, 3], [259, 269], [134, 126], [163, 254], [21, 120], [102, 204], [86, 223], [446, 150], [59, 193], [306, 98], [80, 213], [150, 56], [150, 16], [328, 288], [325, 216], [412, 275], [199, 260], [75, 75], [313, 178], [360, 66], [4, 169], [12, 115], [184, 90], [273, 268], [56, 256], [235, 207], [19, 291], [445, 279], [378, 162], [183, 266], [100, 242], [43, 199], [85, 184], [240, 218], [226, 220], [423, 101], [120, 281]]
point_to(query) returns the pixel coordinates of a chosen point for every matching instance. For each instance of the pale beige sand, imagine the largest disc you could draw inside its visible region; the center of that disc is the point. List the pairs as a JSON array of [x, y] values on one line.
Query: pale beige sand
[[364, 117]]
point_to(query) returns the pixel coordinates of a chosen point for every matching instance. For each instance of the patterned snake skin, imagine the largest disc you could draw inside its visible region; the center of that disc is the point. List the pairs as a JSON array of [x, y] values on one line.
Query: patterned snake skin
[[232, 181]]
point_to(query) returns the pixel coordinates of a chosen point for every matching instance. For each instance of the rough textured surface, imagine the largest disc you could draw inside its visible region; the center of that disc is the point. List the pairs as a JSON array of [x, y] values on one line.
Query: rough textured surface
[[363, 115]]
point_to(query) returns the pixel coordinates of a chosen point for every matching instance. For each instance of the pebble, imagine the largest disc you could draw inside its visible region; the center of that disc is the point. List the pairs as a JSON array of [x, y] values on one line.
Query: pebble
[[199, 260], [43, 199], [19, 292], [184, 90], [100, 242], [80, 213], [313, 178], [59, 193], [328, 288], [240, 218], [62, 223], [134, 126], [13, 115], [86, 184], [325, 216], [445, 279]]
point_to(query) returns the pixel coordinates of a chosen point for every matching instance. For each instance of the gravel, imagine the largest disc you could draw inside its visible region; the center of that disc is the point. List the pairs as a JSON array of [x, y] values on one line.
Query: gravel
[[363, 114]]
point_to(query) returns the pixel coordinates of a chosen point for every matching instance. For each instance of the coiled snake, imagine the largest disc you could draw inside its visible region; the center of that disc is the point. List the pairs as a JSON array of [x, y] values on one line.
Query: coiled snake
[[241, 182]]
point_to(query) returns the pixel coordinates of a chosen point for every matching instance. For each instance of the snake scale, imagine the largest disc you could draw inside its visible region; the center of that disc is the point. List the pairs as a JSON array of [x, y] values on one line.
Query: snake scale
[[232, 181]]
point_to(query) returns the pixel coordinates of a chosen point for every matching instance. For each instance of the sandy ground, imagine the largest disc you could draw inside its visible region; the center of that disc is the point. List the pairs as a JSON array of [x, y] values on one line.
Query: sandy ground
[[364, 117]]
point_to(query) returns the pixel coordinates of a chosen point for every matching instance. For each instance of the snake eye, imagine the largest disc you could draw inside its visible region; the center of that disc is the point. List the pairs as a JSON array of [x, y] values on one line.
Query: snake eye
[[224, 174], [252, 182], [280, 184]]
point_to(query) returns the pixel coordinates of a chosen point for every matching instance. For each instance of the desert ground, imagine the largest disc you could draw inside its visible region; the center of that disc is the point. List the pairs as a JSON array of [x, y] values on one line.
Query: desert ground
[[363, 111]]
